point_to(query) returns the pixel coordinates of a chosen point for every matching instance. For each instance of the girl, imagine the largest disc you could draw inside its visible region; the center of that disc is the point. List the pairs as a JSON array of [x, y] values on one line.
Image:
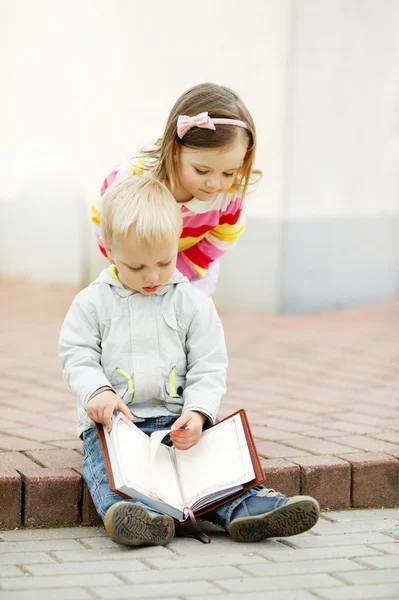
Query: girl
[[206, 159]]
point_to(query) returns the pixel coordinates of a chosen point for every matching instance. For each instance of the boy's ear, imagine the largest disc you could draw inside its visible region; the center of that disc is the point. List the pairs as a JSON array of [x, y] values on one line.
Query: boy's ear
[[108, 251]]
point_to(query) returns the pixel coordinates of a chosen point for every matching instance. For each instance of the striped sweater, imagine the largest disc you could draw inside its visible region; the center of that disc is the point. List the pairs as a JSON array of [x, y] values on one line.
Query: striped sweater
[[209, 228]]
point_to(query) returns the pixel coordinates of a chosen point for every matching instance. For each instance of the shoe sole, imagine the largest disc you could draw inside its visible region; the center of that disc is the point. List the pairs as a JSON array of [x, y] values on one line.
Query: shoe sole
[[288, 520], [132, 526]]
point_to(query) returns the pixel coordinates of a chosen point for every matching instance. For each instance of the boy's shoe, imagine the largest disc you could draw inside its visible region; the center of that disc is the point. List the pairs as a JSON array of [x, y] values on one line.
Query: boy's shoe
[[270, 514], [133, 525]]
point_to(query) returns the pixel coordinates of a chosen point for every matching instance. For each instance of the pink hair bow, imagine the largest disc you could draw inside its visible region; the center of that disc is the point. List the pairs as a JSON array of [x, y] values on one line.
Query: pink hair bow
[[202, 120], [185, 123]]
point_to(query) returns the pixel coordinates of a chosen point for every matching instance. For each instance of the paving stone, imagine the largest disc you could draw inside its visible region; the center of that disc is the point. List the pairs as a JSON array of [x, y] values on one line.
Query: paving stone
[[98, 542], [368, 443], [62, 533], [53, 426], [356, 527], [10, 426], [282, 475], [392, 548], [157, 590], [289, 413], [275, 450], [40, 434], [328, 479], [116, 553], [374, 480], [277, 595], [59, 581], [47, 594], [25, 558], [285, 425], [10, 412], [382, 562], [10, 571], [18, 461], [381, 423], [393, 532], [292, 582], [353, 428], [12, 442], [221, 545], [329, 565], [95, 566], [10, 498], [322, 432], [34, 546], [388, 436], [362, 515], [318, 541], [29, 404], [263, 432], [188, 574], [51, 497], [320, 553], [72, 444], [318, 446], [89, 514], [206, 561], [361, 592]]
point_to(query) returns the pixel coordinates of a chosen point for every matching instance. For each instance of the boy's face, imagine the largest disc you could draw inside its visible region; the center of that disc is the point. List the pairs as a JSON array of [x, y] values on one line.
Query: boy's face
[[141, 269]]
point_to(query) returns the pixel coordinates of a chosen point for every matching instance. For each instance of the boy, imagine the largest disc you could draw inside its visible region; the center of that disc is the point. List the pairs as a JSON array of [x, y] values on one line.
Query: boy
[[142, 340]]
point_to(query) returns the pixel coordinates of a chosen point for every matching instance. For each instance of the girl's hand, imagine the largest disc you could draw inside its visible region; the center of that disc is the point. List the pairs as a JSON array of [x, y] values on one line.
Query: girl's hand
[[101, 408], [186, 431]]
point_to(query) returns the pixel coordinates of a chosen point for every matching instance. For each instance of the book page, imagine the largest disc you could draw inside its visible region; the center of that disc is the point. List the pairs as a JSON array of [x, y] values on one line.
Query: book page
[[164, 477], [132, 447], [219, 460], [146, 465]]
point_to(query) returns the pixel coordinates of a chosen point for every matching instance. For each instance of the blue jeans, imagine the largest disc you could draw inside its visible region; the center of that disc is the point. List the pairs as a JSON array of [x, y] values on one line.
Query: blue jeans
[[95, 474]]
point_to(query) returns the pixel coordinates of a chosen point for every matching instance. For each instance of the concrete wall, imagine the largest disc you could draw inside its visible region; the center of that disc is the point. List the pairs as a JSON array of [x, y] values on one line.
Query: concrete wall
[[341, 212], [89, 82]]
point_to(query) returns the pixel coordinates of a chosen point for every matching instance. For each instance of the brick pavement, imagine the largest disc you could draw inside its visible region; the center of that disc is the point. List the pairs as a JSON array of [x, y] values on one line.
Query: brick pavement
[[321, 392], [349, 555]]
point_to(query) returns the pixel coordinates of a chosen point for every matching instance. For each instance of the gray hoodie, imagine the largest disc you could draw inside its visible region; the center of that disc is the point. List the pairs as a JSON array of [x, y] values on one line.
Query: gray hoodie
[[162, 354]]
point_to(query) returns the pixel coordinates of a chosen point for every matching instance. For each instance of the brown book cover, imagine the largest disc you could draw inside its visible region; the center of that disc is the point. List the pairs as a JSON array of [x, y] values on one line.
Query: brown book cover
[[258, 470]]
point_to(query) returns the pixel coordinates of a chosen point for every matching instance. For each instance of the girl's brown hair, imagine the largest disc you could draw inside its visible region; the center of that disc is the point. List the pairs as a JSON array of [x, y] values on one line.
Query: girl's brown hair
[[217, 101]]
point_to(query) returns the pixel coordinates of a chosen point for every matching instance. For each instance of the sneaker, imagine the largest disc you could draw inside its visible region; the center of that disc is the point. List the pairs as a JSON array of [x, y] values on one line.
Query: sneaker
[[133, 525], [270, 514]]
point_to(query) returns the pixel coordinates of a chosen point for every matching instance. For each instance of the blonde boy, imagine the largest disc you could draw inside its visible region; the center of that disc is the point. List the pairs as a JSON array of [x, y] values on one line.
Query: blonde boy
[[142, 340]]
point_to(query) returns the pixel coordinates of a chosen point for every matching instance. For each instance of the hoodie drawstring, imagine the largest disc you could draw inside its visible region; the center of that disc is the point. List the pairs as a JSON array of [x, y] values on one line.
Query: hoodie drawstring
[[130, 387]]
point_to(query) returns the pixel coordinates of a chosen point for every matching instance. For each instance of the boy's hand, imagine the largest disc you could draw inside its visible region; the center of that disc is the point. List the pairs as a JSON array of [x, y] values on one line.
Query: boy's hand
[[101, 408], [186, 431]]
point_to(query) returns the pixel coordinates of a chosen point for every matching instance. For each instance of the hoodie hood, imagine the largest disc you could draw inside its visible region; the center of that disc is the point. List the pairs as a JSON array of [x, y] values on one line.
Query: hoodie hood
[[109, 276]]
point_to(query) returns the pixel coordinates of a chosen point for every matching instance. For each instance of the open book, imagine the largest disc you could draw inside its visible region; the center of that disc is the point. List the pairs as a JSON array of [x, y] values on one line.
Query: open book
[[219, 467]]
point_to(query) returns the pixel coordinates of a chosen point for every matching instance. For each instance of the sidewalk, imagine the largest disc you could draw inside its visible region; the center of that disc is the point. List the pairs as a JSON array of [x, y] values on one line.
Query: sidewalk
[[321, 392], [348, 555]]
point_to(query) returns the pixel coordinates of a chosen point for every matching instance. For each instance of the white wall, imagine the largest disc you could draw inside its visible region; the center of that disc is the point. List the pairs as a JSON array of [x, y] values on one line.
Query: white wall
[[90, 81], [343, 156], [340, 239]]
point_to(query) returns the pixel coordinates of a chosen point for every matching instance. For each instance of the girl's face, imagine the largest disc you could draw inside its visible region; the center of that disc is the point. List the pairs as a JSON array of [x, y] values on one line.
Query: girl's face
[[205, 173]]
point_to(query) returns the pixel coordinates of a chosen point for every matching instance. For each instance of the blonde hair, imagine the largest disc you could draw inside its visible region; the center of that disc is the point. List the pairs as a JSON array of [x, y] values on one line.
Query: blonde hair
[[143, 205], [217, 101]]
